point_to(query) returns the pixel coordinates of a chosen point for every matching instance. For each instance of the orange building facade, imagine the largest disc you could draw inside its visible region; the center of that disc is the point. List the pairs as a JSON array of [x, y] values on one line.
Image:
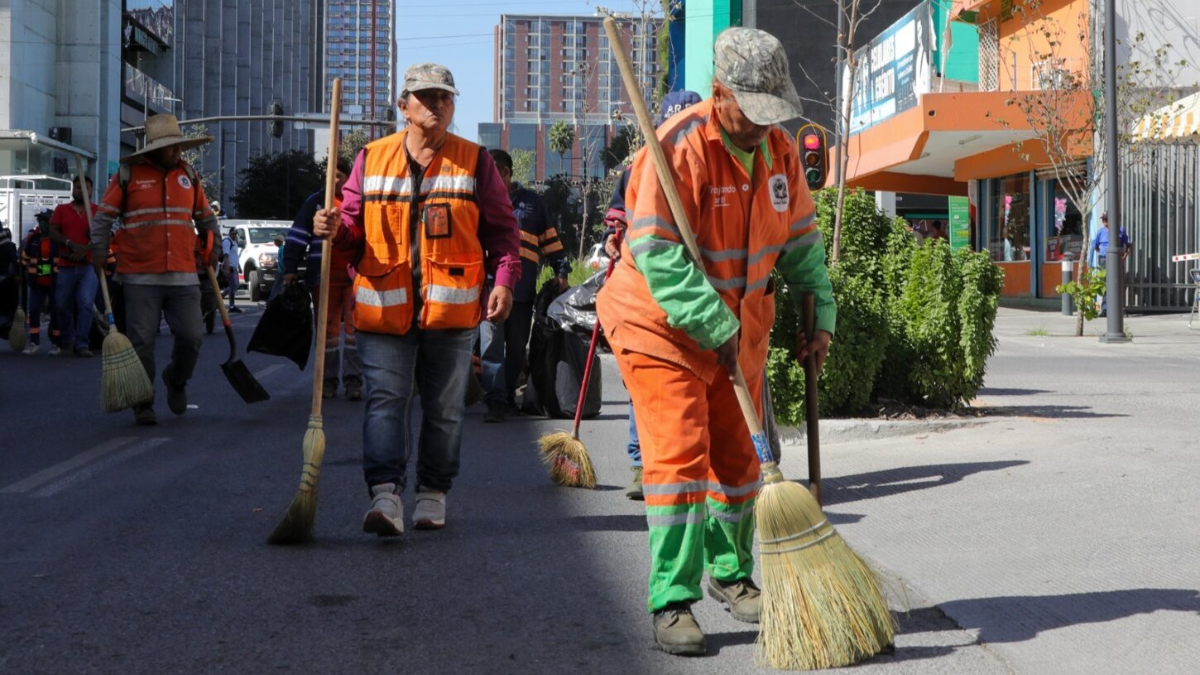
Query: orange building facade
[[984, 140]]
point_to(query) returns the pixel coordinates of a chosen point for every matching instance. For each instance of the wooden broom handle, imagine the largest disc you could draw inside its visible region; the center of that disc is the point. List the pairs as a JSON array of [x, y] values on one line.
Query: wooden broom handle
[[667, 181], [808, 313], [335, 111], [87, 209]]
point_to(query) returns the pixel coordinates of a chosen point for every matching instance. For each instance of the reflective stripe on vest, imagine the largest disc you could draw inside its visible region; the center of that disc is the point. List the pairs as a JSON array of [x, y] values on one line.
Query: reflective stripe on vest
[[157, 233], [373, 298], [452, 270]]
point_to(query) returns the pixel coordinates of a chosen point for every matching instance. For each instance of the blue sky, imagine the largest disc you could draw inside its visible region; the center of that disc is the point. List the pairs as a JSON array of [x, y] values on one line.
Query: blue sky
[[458, 34]]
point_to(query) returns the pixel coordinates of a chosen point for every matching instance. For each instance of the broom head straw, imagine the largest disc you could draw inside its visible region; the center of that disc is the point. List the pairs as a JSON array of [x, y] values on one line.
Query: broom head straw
[[822, 606], [567, 458], [297, 524], [123, 379], [16, 332]]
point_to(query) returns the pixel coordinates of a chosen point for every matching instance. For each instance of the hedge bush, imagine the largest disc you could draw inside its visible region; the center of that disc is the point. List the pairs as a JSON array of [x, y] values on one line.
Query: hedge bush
[[914, 322]]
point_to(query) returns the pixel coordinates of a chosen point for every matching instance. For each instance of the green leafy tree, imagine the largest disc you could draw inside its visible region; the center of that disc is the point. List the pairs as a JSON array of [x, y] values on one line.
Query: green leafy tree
[[619, 149], [562, 139], [524, 165], [352, 143], [276, 185]]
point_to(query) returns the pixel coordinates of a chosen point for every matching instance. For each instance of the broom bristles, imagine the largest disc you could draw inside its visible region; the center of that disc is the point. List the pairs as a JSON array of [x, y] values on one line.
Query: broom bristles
[[123, 381], [822, 605], [568, 460], [297, 524], [16, 332]]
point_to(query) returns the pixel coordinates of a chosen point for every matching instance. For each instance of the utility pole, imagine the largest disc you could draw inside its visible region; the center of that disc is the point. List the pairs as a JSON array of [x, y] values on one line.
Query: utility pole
[[1115, 265], [374, 14], [837, 114]]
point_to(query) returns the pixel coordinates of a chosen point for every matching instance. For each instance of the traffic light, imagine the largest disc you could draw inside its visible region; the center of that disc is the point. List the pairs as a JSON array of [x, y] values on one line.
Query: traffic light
[[814, 154], [275, 127]]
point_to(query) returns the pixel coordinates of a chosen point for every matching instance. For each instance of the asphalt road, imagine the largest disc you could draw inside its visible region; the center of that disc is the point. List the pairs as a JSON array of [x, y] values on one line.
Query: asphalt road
[[143, 550]]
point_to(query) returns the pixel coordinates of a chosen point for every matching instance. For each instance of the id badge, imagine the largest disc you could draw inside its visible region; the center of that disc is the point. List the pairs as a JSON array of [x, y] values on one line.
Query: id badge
[[437, 221]]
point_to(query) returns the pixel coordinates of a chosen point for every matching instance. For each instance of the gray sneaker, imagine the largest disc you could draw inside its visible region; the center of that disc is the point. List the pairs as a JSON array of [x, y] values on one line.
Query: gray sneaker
[[742, 598], [386, 517], [634, 489], [676, 631], [430, 513]]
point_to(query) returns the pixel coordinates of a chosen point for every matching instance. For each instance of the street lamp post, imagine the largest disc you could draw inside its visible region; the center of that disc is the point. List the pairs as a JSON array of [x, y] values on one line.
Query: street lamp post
[[223, 142], [1116, 297]]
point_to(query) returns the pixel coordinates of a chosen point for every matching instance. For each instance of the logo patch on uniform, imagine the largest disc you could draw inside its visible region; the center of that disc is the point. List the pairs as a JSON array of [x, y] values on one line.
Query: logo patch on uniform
[[437, 221], [185, 182], [779, 192]]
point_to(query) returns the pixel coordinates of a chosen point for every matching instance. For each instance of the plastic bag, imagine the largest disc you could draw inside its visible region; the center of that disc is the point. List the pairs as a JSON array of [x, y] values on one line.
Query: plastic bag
[[558, 356], [286, 326], [575, 310]]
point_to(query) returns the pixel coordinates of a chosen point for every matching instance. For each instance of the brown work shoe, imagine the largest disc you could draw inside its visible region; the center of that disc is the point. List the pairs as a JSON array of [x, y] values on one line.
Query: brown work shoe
[[742, 598], [676, 631], [144, 415], [176, 394]]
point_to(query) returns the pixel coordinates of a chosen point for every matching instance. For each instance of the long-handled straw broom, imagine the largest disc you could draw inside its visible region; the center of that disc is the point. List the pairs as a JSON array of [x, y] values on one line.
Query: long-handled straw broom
[[16, 332], [123, 380], [565, 455], [821, 604], [297, 524]]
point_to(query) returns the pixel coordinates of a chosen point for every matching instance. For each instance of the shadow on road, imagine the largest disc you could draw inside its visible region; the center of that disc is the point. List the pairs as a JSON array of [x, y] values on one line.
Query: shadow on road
[[888, 482], [1023, 617], [1000, 391], [1047, 411]]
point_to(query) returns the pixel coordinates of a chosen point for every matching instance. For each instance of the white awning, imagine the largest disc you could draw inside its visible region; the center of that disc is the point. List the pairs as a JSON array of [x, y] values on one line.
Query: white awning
[[1174, 123]]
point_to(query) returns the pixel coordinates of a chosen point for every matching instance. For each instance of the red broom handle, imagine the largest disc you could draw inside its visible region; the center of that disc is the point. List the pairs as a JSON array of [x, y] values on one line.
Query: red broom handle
[[587, 370]]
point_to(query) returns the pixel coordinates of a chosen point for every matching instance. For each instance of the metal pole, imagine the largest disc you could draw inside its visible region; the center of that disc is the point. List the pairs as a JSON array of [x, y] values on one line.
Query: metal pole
[[1115, 290], [837, 114], [1068, 302]]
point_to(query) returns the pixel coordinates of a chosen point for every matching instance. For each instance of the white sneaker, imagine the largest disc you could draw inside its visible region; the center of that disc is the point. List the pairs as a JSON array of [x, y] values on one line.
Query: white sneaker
[[31, 349], [55, 350], [386, 517], [430, 513]]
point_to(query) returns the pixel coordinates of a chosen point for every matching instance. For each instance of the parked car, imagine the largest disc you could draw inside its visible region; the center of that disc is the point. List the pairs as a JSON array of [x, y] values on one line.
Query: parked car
[[258, 260], [597, 260]]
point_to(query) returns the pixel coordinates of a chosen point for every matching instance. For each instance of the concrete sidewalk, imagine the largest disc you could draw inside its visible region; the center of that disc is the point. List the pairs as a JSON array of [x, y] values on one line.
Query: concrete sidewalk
[[1153, 334]]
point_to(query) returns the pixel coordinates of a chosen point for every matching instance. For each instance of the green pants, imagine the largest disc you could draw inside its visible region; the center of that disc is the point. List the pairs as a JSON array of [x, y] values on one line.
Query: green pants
[[687, 539]]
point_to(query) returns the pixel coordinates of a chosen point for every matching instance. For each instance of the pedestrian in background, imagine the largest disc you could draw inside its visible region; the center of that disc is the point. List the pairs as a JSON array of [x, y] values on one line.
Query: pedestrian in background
[[39, 257], [161, 205], [1101, 247], [429, 216], [10, 279], [503, 345], [342, 363], [231, 256], [77, 283]]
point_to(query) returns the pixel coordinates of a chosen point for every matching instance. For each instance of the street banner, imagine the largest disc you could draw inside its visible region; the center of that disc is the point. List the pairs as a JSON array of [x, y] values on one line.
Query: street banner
[[960, 222], [894, 69]]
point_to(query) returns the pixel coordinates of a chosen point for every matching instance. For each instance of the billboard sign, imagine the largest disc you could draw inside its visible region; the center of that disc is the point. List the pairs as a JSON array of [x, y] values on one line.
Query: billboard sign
[[894, 69]]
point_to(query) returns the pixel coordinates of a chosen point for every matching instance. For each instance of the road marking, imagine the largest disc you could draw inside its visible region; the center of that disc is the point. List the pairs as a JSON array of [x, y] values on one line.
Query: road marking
[[267, 371], [65, 466], [89, 471]]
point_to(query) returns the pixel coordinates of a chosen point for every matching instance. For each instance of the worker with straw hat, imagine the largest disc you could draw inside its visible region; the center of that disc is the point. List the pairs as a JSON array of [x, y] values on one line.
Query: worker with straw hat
[[161, 205], [679, 327]]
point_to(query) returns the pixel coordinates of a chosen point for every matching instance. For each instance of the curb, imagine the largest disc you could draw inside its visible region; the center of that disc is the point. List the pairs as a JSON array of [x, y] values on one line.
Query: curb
[[845, 431]]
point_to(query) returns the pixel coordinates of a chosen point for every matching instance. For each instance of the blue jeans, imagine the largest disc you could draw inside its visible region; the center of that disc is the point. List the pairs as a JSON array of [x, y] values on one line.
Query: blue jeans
[[502, 353], [74, 296], [635, 446], [391, 365]]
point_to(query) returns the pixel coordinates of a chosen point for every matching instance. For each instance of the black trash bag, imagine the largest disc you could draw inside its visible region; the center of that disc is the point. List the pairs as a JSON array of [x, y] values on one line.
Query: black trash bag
[[286, 326], [557, 358], [575, 310]]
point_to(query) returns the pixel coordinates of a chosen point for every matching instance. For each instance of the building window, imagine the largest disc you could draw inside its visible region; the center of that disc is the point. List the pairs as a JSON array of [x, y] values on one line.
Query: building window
[[1009, 241]]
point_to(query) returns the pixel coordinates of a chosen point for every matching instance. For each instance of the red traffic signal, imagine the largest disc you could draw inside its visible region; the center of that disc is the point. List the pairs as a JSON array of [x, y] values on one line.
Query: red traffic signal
[[813, 152]]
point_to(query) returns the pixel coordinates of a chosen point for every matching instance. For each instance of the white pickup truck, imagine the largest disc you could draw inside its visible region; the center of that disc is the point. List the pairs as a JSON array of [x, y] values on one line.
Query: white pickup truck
[[259, 256]]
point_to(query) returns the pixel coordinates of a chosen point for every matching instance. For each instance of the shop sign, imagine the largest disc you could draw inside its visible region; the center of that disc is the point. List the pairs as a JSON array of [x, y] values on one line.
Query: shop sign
[[960, 222]]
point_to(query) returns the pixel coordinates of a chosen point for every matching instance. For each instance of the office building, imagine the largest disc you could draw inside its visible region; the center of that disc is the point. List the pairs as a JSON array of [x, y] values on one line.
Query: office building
[[560, 67], [359, 48]]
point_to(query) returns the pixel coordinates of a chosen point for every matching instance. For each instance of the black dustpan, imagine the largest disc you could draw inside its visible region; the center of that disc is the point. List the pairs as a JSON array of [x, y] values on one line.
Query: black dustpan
[[235, 370]]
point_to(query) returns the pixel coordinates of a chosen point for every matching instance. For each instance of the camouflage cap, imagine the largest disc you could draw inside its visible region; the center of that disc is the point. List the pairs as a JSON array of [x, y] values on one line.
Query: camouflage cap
[[428, 76], [753, 65]]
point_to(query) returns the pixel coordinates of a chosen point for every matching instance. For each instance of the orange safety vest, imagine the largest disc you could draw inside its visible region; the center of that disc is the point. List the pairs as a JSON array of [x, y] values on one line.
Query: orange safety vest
[[452, 265], [741, 226], [157, 211]]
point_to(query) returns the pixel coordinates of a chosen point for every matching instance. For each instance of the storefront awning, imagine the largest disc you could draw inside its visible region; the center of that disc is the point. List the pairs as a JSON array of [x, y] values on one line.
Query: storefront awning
[[1178, 122], [947, 140], [16, 139]]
